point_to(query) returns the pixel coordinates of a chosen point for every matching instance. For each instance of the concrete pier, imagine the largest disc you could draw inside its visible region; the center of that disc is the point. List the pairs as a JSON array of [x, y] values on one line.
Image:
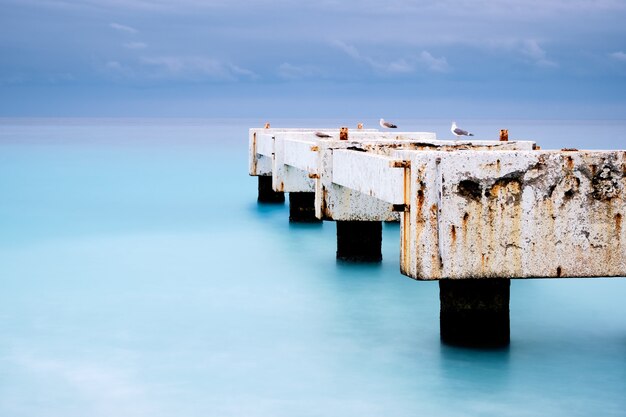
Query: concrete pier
[[359, 241], [302, 208], [267, 193], [473, 213], [474, 312]]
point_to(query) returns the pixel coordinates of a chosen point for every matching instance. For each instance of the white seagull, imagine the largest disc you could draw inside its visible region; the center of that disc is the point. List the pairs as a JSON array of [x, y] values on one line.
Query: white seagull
[[459, 132], [387, 124]]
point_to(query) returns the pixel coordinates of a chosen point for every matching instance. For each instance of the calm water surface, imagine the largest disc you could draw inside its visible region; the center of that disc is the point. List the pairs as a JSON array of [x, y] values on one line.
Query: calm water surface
[[139, 277]]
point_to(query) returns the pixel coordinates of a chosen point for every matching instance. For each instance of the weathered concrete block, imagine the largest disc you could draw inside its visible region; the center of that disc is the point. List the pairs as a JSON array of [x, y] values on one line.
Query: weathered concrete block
[[261, 146], [362, 189], [369, 174], [334, 201], [349, 189], [258, 164], [515, 214], [294, 164]]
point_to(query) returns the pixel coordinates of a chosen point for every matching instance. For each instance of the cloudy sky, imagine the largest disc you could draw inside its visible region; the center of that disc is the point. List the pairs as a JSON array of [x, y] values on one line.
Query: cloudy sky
[[430, 58]]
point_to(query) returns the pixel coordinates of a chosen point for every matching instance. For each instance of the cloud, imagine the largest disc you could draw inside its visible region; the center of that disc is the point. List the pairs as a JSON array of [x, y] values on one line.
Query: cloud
[[14, 79], [536, 55], [135, 45], [434, 64], [117, 69], [61, 77], [242, 71], [196, 68], [123, 28], [113, 65], [619, 56], [398, 66], [294, 72], [354, 53], [393, 7], [350, 50], [178, 66]]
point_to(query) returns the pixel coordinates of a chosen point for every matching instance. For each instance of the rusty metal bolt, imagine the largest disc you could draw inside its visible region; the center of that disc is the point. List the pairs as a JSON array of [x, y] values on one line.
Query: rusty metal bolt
[[343, 133], [267, 125], [504, 135], [359, 126]]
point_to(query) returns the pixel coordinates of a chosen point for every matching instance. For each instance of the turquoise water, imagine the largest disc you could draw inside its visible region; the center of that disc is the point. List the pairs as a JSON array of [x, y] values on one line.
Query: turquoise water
[[139, 277]]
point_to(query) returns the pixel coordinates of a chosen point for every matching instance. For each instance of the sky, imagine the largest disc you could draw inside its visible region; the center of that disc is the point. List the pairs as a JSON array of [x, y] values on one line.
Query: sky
[[236, 58]]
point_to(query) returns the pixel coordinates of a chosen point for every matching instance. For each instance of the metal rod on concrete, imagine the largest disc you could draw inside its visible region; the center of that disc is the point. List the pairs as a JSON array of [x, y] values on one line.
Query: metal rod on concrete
[[343, 133]]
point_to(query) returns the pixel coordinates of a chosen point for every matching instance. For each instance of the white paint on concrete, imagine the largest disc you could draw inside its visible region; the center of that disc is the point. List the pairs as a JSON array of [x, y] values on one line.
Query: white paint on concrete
[[515, 214], [265, 144], [301, 154], [369, 174], [286, 177], [256, 165]]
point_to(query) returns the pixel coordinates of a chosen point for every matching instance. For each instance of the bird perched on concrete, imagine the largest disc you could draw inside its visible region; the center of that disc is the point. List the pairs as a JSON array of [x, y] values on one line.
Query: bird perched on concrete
[[459, 132], [322, 135], [387, 125]]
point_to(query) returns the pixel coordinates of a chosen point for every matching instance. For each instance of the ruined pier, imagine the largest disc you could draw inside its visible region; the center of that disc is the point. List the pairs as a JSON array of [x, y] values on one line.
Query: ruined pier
[[473, 214]]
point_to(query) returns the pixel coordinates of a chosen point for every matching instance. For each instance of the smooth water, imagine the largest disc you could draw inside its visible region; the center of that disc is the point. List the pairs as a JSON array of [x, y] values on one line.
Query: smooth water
[[139, 277]]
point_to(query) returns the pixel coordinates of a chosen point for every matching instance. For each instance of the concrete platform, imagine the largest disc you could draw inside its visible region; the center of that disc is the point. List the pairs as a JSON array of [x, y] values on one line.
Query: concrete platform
[[514, 214]]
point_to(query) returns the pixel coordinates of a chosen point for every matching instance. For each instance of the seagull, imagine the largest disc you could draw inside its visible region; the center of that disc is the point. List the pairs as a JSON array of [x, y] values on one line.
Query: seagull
[[322, 135], [387, 124], [459, 132]]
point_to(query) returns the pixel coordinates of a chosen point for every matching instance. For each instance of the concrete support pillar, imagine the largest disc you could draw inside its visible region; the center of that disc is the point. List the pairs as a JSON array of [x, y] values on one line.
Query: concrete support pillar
[[266, 193], [359, 241], [302, 207], [475, 312]]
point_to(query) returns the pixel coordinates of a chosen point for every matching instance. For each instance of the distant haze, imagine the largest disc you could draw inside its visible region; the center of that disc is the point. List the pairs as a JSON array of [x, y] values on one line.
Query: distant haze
[[484, 58]]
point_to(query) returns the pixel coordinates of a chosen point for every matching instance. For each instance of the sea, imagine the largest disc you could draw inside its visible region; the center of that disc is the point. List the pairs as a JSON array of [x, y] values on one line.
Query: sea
[[140, 277]]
